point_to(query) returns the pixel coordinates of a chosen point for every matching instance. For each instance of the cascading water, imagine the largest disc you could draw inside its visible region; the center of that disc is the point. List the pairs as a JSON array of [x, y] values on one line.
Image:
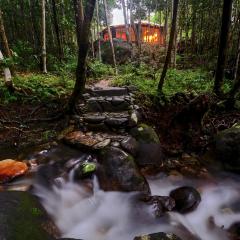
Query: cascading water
[[89, 213]]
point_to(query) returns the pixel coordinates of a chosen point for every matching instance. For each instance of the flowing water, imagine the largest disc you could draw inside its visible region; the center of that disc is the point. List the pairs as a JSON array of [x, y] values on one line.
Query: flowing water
[[92, 214]]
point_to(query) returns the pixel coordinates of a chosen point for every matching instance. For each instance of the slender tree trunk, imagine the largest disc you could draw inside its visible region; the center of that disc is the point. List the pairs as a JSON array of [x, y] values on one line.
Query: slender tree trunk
[[57, 30], [98, 32], [83, 33], [237, 60], [110, 36], [125, 20], [7, 76], [44, 52], [170, 45], [222, 54], [6, 48], [166, 26], [133, 26]]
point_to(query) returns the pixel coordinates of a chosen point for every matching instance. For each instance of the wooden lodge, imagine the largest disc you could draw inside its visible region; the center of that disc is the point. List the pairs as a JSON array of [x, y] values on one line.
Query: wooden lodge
[[150, 33]]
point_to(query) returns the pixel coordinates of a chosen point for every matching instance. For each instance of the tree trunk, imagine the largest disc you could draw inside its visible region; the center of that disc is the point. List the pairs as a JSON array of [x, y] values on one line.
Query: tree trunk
[[170, 46], [237, 60], [7, 76], [110, 36], [6, 48], [44, 52], [166, 26], [222, 54], [57, 30], [125, 20], [83, 33], [98, 32]]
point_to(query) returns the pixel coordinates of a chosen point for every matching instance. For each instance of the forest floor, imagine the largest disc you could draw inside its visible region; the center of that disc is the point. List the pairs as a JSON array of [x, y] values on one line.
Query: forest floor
[[185, 121]]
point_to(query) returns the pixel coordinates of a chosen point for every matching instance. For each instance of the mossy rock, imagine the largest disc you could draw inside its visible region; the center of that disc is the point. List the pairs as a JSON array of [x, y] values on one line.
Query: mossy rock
[[22, 218], [145, 134], [158, 236], [227, 148]]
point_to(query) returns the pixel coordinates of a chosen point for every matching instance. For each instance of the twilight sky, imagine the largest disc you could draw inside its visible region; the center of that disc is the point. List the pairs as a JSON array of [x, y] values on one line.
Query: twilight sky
[[117, 17]]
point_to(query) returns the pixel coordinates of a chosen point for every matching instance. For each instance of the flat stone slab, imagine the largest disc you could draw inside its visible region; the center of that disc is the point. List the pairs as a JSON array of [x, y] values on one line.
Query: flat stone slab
[[91, 141], [9, 169], [109, 91]]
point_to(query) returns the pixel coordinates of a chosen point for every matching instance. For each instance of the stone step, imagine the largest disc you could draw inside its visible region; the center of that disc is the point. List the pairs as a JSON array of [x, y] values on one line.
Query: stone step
[[108, 104], [109, 120], [108, 91]]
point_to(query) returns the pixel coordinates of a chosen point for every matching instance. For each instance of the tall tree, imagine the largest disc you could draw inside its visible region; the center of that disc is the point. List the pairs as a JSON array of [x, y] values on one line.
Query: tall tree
[[222, 53], [110, 35], [57, 29], [44, 51], [170, 45], [98, 32], [83, 26], [125, 20]]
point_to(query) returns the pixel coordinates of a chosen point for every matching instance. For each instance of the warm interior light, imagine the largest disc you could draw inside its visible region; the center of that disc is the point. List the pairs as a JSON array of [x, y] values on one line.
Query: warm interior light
[[150, 37]]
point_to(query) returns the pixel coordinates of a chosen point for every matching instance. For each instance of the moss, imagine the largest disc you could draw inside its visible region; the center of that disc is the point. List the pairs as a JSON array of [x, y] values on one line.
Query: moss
[[145, 134], [26, 221]]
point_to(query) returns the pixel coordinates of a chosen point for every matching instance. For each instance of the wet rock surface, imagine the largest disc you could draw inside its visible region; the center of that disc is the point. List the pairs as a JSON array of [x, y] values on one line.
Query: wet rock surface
[[22, 218], [186, 198], [118, 172], [10, 169], [158, 236]]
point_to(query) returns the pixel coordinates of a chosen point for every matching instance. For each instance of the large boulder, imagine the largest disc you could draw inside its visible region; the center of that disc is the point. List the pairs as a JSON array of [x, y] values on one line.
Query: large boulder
[[227, 148], [186, 198], [123, 51], [118, 172], [158, 236], [23, 218]]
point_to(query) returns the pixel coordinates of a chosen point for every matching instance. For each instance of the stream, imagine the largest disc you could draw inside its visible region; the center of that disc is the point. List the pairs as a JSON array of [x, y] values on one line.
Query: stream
[[83, 211]]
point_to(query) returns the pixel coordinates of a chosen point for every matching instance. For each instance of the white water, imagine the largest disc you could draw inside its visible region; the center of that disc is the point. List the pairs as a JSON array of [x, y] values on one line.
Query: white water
[[113, 216]]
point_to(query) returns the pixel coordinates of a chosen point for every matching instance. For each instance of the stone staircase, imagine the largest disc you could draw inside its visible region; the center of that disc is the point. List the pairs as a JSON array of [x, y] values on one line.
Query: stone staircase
[[108, 110]]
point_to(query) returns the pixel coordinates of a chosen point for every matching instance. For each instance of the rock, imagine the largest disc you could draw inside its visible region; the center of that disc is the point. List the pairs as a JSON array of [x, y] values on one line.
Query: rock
[[234, 230], [150, 155], [117, 122], [161, 204], [227, 148], [187, 199], [95, 119], [84, 141], [102, 144], [22, 217], [117, 100], [123, 51], [85, 170], [158, 236], [10, 169], [118, 172], [145, 134], [130, 145], [109, 91]]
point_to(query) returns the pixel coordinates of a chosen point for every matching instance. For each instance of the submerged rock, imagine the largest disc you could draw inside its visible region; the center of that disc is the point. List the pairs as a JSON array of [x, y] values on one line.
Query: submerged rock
[[145, 134], [22, 217], [227, 148], [161, 204], [187, 199], [118, 172], [158, 236], [9, 169]]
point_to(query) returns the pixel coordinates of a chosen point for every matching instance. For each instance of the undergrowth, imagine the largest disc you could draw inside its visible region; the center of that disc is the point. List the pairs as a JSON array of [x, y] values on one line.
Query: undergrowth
[[146, 80]]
